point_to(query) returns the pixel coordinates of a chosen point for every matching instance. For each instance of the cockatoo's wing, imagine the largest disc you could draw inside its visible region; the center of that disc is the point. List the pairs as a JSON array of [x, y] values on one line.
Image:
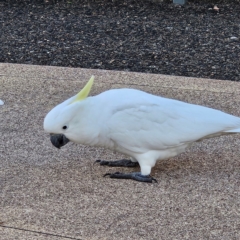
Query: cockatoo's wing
[[167, 124]]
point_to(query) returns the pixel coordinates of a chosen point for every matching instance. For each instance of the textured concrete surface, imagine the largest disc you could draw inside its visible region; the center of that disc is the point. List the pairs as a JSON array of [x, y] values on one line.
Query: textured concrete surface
[[60, 194]]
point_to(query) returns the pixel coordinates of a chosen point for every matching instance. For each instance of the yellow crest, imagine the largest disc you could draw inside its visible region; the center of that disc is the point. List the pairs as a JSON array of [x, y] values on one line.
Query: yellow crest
[[85, 91]]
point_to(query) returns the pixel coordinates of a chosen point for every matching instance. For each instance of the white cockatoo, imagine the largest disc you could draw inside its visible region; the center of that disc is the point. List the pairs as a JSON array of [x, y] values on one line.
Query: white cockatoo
[[143, 126]]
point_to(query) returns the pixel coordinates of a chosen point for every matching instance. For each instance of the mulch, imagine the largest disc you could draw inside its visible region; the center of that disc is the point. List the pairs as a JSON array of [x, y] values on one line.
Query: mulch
[[194, 40]]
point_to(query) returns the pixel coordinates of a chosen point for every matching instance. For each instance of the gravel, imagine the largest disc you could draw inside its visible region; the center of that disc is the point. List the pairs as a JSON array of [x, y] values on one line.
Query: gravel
[[197, 40]]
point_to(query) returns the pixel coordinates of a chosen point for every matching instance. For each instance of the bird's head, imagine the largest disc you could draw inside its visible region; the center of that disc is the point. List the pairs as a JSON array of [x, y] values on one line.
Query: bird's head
[[61, 121]]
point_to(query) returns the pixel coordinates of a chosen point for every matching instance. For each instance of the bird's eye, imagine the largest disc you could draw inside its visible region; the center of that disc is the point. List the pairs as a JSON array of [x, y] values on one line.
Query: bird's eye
[[64, 127]]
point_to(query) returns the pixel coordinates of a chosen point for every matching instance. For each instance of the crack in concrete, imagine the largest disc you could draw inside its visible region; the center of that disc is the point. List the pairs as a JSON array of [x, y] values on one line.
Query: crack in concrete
[[39, 232]]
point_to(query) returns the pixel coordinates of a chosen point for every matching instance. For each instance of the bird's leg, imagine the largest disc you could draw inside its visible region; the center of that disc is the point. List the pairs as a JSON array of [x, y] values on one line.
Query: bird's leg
[[134, 176], [143, 176], [118, 163]]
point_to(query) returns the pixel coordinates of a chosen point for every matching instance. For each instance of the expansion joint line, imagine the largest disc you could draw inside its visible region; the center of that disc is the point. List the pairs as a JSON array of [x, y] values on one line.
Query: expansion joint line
[[39, 232]]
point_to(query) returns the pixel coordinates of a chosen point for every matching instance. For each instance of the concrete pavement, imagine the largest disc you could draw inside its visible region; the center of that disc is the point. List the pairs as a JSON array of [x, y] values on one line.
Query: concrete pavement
[[47, 193]]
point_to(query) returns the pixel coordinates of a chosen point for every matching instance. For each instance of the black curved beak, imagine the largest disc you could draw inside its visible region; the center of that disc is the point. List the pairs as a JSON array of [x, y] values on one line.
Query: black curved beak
[[58, 140]]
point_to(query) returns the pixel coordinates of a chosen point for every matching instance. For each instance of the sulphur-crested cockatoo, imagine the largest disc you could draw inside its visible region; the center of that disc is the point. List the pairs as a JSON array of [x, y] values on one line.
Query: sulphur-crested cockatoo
[[143, 126]]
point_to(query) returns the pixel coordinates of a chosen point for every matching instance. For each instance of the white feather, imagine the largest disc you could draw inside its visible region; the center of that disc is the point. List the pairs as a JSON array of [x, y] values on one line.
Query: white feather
[[144, 126]]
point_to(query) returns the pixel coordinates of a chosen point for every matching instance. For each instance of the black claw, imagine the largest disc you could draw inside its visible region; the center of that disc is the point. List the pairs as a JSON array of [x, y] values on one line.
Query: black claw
[[97, 161], [118, 163], [102, 162], [109, 174], [134, 176], [154, 179]]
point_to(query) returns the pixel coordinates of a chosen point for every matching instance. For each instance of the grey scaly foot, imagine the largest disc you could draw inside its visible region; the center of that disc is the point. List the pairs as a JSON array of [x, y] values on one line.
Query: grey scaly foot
[[134, 176], [118, 163]]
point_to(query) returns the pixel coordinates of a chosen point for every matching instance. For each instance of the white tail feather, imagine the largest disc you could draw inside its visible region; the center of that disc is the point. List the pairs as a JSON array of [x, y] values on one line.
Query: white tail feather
[[237, 130]]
